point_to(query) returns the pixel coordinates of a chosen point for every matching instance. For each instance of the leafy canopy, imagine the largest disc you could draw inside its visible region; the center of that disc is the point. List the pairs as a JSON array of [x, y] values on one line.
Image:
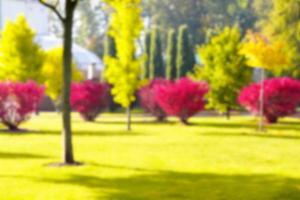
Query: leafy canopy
[[262, 53], [283, 23], [52, 71], [225, 69], [123, 71], [21, 58]]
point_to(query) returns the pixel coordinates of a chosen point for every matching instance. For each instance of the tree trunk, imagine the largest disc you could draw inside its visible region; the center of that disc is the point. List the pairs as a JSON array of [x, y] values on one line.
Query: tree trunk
[[261, 102], [228, 113], [271, 119], [68, 157], [184, 121], [11, 127], [128, 118]]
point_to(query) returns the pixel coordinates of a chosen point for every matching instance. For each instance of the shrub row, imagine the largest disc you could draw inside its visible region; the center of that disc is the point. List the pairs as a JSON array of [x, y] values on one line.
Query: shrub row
[[182, 98]]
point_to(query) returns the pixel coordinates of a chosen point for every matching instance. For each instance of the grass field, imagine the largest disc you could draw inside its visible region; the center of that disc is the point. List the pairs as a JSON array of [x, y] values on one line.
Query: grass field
[[212, 159]]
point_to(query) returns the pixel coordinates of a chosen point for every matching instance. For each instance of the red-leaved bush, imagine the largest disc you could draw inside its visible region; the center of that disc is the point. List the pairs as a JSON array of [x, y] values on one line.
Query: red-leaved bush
[[148, 100], [182, 98], [18, 101], [281, 97], [89, 98]]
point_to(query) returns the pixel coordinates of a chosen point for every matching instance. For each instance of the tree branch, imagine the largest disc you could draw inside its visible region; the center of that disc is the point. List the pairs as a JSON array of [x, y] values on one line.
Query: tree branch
[[53, 8]]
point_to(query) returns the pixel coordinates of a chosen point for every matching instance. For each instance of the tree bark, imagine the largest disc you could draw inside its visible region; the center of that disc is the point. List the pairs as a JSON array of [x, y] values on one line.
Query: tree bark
[[67, 23], [261, 102], [184, 121], [228, 113], [128, 118], [68, 156]]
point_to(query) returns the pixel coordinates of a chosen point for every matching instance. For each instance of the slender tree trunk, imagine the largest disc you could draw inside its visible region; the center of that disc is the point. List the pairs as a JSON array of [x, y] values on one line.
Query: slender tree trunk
[[128, 118], [67, 23], [68, 157], [261, 102], [184, 121], [228, 113]]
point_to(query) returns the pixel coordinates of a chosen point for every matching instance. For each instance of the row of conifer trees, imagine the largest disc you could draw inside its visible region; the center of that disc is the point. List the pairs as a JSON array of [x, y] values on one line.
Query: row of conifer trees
[[171, 59]]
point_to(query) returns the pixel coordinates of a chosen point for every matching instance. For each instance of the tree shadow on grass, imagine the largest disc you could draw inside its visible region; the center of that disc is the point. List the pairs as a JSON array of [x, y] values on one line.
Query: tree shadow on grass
[[166, 185], [259, 135], [281, 126], [100, 133], [10, 155], [134, 122]]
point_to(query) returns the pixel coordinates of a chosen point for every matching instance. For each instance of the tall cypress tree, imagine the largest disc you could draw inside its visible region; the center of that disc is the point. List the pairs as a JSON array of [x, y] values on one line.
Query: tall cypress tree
[[156, 64], [185, 60], [147, 44], [171, 55]]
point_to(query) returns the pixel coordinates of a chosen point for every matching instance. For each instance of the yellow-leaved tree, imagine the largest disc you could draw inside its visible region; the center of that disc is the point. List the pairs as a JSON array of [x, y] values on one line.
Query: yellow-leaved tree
[[52, 71], [21, 59], [266, 55], [123, 71]]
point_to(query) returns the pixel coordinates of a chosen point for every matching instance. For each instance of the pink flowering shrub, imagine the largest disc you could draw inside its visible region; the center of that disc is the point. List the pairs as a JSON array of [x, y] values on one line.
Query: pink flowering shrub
[[18, 101], [148, 101], [182, 98], [89, 98], [281, 97]]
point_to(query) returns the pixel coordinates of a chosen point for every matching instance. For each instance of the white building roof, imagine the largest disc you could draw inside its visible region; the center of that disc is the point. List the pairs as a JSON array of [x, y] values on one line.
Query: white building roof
[[83, 57]]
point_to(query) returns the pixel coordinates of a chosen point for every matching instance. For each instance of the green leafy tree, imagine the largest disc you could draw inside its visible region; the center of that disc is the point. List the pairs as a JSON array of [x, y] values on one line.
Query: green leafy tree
[[21, 58], [67, 24], [171, 55], [225, 69], [283, 24], [147, 45], [124, 71], [185, 58], [156, 64]]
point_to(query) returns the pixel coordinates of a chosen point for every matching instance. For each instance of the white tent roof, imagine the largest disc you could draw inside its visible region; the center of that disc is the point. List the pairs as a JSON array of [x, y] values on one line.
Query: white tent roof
[[82, 56]]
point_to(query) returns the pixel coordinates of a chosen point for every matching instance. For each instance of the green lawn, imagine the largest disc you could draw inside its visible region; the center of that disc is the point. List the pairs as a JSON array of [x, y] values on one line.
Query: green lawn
[[211, 159]]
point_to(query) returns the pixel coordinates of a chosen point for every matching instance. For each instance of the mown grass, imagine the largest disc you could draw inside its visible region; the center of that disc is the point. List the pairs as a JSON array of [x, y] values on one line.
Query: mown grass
[[211, 159]]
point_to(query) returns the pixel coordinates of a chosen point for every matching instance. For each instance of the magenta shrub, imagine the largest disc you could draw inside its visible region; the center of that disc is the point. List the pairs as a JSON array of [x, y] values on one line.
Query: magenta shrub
[[89, 98], [18, 101], [148, 101], [281, 97], [182, 98]]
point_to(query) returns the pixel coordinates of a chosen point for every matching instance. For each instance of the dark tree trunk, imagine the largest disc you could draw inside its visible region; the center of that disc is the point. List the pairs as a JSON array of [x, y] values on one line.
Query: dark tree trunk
[[67, 22], [228, 113], [184, 121], [271, 119], [11, 127], [128, 118], [161, 118], [68, 157]]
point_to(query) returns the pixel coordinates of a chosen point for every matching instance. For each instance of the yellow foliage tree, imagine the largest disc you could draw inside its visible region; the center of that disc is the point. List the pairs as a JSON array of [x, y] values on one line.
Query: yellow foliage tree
[[21, 59], [123, 71], [52, 71], [261, 53]]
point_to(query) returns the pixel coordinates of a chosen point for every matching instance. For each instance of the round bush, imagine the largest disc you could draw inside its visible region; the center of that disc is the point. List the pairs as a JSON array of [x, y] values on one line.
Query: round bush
[[182, 98], [89, 98], [281, 97], [18, 101], [148, 100]]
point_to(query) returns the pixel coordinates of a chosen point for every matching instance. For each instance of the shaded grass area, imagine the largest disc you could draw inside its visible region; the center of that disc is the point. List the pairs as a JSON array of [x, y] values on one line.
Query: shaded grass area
[[211, 159]]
